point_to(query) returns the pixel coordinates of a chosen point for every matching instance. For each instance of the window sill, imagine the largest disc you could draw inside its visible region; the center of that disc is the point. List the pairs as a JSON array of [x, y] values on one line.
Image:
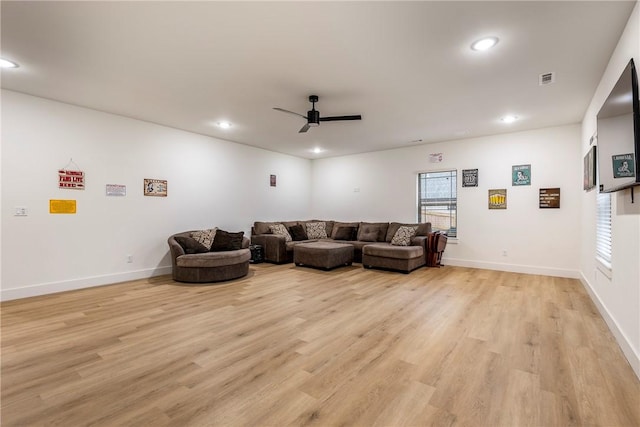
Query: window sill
[[452, 241], [604, 267]]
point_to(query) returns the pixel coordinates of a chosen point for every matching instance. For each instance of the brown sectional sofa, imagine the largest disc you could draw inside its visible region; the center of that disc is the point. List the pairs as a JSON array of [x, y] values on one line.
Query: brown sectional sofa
[[277, 250]]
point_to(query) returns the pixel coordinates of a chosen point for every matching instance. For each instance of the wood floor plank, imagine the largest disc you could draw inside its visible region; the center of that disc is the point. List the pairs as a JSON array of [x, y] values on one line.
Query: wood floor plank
[[291, 345]]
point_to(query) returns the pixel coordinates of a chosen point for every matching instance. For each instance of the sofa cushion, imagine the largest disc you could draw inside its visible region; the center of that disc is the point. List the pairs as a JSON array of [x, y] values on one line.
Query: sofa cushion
[[403, 236], [372, 231], [214, 259], [288, 224], [387, 250], [316, 230], [371, 235], [226, 241], [328, 225], [191, 245], [337, 225], [423, 229], [346, 233], [280, 230], [298, 233], [205, 237], [262, 227]]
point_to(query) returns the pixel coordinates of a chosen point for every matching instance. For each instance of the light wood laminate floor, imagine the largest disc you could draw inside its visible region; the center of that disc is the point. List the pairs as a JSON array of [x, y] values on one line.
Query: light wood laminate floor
[[295, 346]]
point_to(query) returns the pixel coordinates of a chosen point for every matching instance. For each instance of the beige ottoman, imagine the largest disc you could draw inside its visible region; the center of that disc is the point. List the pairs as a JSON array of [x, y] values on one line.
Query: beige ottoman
[[326, 255]]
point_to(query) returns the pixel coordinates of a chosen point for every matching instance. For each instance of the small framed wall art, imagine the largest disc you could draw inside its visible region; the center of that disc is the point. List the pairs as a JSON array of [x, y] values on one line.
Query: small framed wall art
[[62, 206], [549, 198], [589, 178], [272, 180], [469, 177], [521, 175], [155, 187], [116, 190], [498, 199]]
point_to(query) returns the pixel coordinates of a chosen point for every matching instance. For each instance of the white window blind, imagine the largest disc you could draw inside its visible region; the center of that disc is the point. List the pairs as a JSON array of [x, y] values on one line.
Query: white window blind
[[603, 228], [438, 200]]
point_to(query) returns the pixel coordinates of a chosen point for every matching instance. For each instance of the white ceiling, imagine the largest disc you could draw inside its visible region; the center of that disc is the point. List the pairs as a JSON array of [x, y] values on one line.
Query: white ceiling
[[405, 66]]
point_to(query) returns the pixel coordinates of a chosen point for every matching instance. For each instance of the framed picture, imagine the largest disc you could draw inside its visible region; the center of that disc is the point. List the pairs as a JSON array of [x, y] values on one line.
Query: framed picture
[[549, 198], [272, 180], [521, 175], [68, 179], [469, 177], [623, 165], [589, 180], [498, 199], [155, 187]]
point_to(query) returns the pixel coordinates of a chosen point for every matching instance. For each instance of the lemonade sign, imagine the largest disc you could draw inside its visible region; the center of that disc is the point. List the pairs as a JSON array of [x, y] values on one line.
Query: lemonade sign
[[498, 199]]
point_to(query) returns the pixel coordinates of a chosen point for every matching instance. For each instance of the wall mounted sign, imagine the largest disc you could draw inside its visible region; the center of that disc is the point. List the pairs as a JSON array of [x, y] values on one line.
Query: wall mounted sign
[[73, 180], [498, 199], [469, 177], [62, 206], [155, 187], [623, 165], [115, 190], [272, 180], [521, 175], [436, 157], [549, 198], [589, 178]]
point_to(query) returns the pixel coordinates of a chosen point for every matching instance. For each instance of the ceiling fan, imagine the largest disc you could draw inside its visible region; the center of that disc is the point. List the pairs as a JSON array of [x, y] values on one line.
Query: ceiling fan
[[313, 115]]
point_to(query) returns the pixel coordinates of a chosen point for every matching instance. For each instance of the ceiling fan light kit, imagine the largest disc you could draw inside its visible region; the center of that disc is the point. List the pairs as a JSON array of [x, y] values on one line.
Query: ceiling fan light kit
[[313, 115]]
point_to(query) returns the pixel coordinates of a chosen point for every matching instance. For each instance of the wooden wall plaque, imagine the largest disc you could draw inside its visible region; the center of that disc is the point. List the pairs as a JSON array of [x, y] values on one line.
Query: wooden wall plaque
[[549, 198]]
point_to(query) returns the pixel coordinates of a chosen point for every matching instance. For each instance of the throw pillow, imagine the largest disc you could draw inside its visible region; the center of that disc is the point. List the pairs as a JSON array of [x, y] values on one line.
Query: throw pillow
[[280, 230], [226, 241], [316, 230], [346, 233], [403, 236], [205, 237], [191, 245], [297, 233]]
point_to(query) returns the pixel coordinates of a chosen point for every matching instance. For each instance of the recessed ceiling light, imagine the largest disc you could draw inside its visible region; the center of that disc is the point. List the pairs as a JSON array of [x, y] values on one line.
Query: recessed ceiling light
[[224, 125], [5, 63], [485, 43], [509, 119], [317, 150]]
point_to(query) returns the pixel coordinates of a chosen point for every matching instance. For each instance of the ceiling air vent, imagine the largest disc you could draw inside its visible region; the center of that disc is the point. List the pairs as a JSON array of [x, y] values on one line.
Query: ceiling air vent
[[547, 78]]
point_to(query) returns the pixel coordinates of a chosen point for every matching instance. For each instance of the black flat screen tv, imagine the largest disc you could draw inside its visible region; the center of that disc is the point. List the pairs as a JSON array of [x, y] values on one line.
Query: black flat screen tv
[[618, 124]]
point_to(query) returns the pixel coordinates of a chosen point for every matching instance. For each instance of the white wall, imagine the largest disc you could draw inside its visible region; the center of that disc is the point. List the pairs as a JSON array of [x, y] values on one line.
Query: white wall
[[210, 183], [618, 297], [541, 241]]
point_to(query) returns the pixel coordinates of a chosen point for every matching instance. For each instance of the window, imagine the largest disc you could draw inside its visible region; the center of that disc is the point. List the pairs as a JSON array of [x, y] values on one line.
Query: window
[[438, 200], [603, 228]]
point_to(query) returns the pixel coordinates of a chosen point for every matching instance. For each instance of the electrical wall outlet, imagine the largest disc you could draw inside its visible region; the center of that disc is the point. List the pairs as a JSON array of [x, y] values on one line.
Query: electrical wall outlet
[[21, 211], [129, 259], [504, 252]]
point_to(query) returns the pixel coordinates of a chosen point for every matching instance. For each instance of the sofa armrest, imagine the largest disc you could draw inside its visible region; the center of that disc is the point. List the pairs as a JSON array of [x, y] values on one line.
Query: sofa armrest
[[273, 246], [175, 249], [421, 241]]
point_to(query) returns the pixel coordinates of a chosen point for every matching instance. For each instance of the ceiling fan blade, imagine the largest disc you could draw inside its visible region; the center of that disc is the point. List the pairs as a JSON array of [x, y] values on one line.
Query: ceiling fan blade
[[290, 112], [335, 118], [304, 128]]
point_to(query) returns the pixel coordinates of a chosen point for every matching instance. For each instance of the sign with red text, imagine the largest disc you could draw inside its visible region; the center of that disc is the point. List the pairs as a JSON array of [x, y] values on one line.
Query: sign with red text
[[73, 180]]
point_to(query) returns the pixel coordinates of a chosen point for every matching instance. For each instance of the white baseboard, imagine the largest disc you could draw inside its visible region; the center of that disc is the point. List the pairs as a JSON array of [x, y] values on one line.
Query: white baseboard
[[514, 268], [85, 282], [621, 338]]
